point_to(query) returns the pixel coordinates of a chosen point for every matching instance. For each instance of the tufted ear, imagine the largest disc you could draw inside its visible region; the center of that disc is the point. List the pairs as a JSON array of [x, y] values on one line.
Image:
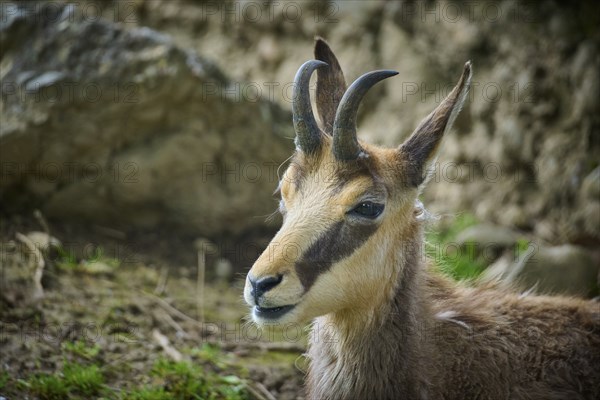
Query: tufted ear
[[420, 149], [330, 85]]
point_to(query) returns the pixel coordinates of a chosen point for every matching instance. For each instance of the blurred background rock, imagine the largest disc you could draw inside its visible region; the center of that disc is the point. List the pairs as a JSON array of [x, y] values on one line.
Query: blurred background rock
[[172, 117]]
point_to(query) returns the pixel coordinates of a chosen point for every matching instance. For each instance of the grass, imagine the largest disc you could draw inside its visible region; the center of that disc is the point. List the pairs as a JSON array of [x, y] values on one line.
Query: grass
[[521, 247], [47, 387], [147, 393], [170, 380], [184, 380], [211, 375], [84, 380], [81, 349], [181, 379], [211, 354], [449, 232], [76, 381], [121, 362], [95, 263], [4, 377], [461, 263]]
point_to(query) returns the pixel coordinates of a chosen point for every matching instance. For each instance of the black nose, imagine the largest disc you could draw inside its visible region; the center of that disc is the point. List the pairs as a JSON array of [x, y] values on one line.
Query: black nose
[[259, 287]]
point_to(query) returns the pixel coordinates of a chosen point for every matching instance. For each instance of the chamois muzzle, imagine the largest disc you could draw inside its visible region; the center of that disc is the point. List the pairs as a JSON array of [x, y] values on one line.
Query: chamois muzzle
[[308, 134], [345, 142], [260, 286]]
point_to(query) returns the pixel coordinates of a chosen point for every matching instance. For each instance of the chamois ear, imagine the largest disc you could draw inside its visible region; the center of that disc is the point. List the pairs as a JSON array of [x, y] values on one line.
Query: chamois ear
[[420, 150], [330, 85]]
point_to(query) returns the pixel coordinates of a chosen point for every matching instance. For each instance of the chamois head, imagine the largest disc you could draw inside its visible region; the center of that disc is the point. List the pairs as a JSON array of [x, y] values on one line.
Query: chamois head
[[347, 206]]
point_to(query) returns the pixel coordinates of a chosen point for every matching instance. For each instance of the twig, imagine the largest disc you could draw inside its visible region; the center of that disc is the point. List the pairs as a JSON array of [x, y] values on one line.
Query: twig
[[204, 247], [176, 312], [42, 221], [39, 270], [255, 392], [171, 309], [166, 317], [265, 391], [200, 284], [162, 281], [163, 341], [110, 232]]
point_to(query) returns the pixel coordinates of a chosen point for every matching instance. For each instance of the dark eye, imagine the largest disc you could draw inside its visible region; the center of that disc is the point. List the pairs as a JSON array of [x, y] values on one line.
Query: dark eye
[[367, 209]]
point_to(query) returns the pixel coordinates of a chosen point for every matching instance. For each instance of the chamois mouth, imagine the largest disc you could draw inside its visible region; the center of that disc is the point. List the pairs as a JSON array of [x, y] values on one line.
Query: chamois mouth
[[272, 313]]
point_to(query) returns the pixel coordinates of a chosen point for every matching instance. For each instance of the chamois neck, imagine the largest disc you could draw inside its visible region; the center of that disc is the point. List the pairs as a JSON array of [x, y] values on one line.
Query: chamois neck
[[360, 353], [398, 296]]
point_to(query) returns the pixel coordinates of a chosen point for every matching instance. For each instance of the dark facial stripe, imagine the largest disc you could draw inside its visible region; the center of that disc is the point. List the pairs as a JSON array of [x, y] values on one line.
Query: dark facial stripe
[[340, 241]]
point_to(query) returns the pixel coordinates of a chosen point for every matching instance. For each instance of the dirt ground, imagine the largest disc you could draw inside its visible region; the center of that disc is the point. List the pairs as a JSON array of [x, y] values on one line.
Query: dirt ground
[[121, 312]]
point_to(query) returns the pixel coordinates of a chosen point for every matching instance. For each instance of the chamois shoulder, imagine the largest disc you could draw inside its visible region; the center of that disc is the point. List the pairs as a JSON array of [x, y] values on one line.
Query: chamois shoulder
[[495, 303]]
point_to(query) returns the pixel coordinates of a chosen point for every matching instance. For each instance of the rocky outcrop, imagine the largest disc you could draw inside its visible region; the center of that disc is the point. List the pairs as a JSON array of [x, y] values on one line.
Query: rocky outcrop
[[565, 269], [524, 144], [125, 128]]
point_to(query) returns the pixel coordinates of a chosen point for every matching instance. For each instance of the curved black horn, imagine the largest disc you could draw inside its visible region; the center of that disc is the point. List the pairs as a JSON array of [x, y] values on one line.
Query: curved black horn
[[308, 135], [345, 143]]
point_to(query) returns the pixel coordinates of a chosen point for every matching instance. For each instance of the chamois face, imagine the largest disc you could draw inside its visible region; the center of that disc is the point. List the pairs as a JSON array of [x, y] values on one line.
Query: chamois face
[[339, 220], [347, 206]]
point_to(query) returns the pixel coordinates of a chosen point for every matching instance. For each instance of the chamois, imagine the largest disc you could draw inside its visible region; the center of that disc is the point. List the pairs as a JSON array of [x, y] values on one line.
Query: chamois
[[349, 256]]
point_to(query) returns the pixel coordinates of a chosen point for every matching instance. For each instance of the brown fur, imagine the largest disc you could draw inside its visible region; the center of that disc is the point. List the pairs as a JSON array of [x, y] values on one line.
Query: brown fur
[[435, 339], [385, 325]]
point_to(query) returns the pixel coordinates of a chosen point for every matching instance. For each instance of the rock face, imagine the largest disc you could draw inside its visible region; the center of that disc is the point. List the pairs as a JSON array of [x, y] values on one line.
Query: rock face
[[125, 128], [524, 152], [560, 269], [564, 269], [488, 236], [524, 144]]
